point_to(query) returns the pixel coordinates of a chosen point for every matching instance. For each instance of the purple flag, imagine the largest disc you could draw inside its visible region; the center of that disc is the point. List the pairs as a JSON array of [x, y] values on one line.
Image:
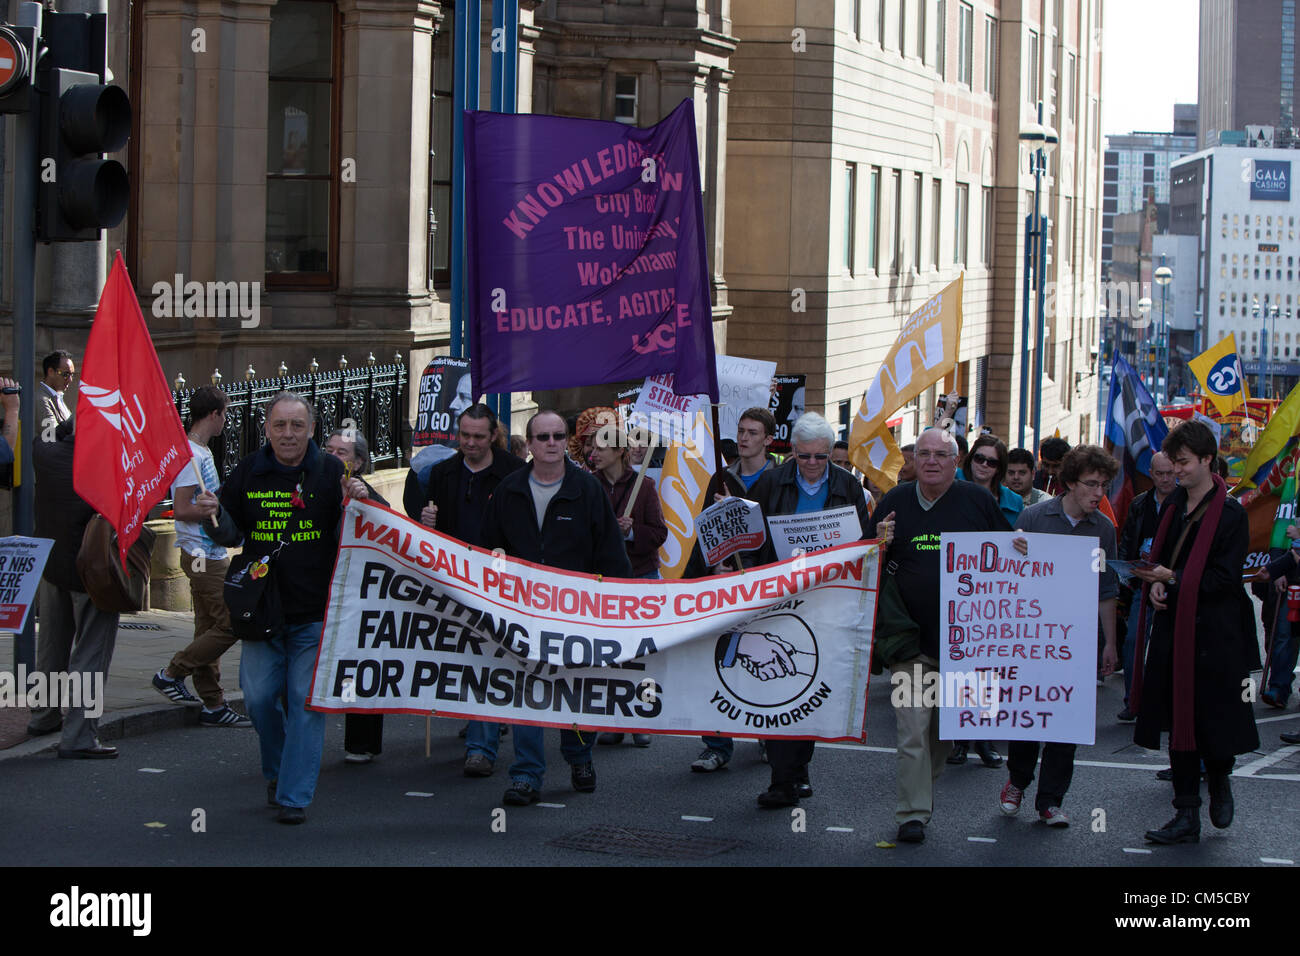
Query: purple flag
[[586, 253]]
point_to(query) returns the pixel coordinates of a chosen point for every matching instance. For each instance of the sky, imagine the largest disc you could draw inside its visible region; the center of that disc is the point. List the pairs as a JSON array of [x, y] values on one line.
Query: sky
[[1148, 55]]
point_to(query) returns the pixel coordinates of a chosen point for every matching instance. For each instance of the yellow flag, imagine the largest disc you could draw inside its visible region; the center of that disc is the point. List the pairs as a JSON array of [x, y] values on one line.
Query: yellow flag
[[1218, 369], [1284, 424], [883, 459], [683, 484], [930, 334]]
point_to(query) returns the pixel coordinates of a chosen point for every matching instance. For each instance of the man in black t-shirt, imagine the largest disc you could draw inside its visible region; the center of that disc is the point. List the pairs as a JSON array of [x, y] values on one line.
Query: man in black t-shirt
[[909, 521]]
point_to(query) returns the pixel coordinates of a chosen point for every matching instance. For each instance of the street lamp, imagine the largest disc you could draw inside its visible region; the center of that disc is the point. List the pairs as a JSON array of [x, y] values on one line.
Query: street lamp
[[1144, 361], [1040, 139], [1263, 334], [1164, 275]]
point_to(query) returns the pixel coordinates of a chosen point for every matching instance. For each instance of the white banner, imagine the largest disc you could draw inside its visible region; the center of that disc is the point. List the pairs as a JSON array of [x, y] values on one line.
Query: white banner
[[421, 623], [22, 561], [1019, 638], [815, 531]]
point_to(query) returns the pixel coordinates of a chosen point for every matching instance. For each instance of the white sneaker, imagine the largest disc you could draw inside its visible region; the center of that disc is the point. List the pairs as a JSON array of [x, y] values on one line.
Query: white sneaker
[[358, 758]]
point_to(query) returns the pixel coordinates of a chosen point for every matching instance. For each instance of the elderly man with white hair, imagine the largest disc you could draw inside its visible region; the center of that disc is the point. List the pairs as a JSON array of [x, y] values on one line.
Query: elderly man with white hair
[[909, 520], [806, 482]]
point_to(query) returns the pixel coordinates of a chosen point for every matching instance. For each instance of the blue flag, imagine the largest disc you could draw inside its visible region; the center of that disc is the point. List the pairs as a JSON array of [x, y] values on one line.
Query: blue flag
[[1133, 421]]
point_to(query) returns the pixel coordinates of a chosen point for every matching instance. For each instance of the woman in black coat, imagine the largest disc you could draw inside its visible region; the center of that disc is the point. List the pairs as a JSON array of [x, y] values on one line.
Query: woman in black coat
[[1219, 639]]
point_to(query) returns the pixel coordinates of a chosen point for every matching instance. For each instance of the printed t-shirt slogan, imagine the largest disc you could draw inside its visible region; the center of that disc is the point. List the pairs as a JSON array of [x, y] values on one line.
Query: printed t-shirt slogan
[[421, 623], [586, 253]]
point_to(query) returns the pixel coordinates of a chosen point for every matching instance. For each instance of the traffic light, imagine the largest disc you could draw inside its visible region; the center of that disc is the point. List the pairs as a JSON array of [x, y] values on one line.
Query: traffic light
[[79, 191]]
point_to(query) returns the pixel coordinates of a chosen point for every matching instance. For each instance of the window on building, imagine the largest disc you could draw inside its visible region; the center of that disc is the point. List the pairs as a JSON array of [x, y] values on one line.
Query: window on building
[[625, 99], [922, 25], [1067, 230], [857, 19], [880, 23], [1073, 89], [986, 236], [961, 224], [991, 56], [1035, 73], [302, 140], [918, 191], [941, 37], [965, 43], [850, 207], [936, 220], [897, 265], [873, 221], [902, 27]]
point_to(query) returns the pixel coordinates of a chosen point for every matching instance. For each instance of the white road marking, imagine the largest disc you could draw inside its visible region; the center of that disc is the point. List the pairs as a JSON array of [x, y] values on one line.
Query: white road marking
[[1274, 859], [981, 840], [1130, 849], [1268, 760], [418, 793], [687, 816], [839, 829], [1269, 720], [151, 770], [552, 806]]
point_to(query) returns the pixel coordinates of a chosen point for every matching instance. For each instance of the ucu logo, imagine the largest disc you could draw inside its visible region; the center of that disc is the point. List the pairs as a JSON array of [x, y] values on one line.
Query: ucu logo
[[662, 339]]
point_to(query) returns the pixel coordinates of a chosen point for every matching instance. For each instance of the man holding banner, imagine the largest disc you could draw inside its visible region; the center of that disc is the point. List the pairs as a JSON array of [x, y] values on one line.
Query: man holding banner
[[1084, 474], [913, 516], [809, 483], [553, 513]]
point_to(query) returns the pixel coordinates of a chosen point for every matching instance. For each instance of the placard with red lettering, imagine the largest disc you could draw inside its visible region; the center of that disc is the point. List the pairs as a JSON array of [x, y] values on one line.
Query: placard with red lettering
[[728, 526], [22, 561], [1018, 638], [419, 622]]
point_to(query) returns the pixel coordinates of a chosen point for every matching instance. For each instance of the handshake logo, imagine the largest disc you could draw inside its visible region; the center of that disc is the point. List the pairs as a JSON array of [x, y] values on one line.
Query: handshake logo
[[769, 663]]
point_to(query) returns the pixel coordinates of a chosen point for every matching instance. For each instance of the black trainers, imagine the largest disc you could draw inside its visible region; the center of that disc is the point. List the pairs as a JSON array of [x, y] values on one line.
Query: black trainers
[[223, 717], [174, 690], [292, 815], [778, 795], [584, 778], [521, 794], [913, 831]]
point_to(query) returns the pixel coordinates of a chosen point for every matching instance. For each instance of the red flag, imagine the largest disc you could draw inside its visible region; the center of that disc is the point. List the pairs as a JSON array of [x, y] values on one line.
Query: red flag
[[130, 441]]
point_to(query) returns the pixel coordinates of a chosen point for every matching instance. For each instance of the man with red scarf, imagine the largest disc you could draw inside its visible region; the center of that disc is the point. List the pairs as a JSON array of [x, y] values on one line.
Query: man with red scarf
[[1190, 678]]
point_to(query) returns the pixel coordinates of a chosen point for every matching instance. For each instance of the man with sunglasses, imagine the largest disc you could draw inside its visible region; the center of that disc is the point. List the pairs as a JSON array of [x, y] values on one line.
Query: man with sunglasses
[[1085, 472], [553, 513], [807, 482], [59, 371], [453, 500], [909, 522]]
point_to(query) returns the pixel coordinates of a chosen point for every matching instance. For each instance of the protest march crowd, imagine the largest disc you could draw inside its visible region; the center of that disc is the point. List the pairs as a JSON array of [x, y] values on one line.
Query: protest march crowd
[[1172, 611]]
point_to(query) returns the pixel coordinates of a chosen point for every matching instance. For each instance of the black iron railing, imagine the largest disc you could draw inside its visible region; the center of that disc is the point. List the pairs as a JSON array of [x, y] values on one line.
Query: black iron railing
[[374, 397]]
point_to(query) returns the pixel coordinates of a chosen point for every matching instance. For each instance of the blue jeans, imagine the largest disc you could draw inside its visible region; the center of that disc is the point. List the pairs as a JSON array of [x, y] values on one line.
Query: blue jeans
[[530, 750], [1281, 662], [276, 678], [481, 737], [723, 745], [1129, 651]]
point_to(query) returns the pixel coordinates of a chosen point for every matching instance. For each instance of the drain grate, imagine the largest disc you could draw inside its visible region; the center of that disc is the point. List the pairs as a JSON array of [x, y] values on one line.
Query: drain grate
[[633, 841], [139, 627]]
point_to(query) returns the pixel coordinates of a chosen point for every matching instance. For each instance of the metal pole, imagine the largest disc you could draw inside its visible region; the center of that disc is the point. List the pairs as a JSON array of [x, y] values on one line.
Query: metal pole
[[1026, 266], [1041, 333], [504, 92], [1162, 353], [465, 93], [24, 301]]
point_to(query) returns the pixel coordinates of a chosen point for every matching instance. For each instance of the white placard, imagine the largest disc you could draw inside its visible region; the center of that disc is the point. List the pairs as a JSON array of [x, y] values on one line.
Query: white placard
[[1018, 637], [22, 561], [814, 531], [730, 525]]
